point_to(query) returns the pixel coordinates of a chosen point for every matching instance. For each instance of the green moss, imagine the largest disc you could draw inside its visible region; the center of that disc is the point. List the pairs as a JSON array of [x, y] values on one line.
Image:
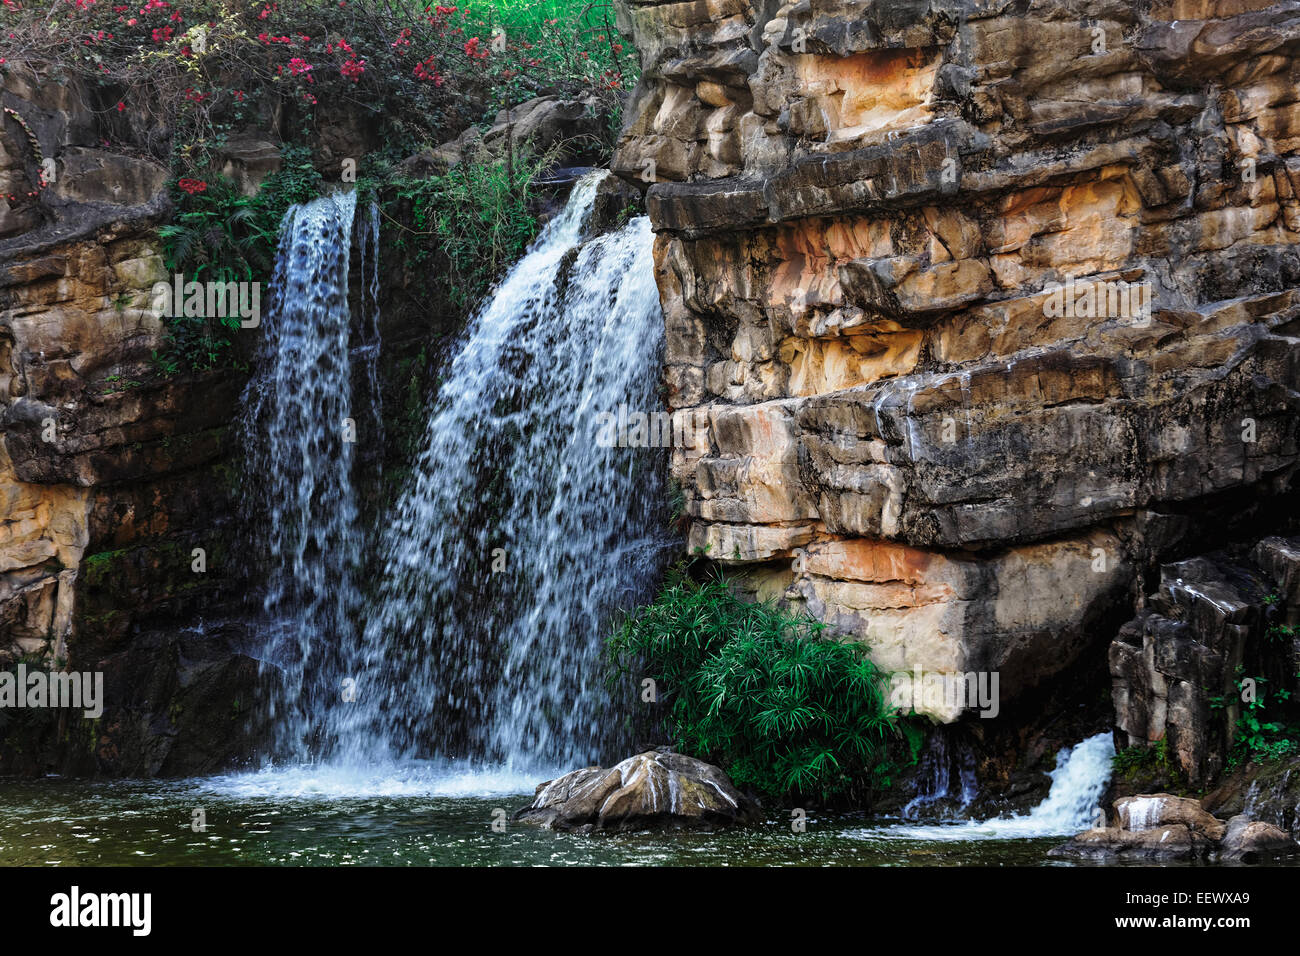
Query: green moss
[[97, 567]]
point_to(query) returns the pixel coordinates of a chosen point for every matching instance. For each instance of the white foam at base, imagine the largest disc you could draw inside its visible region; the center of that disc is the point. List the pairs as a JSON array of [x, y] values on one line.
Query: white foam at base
[[411, 779], [1078, 783]]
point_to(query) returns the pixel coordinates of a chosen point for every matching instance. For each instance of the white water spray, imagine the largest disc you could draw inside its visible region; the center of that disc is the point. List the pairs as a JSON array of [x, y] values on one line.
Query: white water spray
[[518, 534], [1078, 784], [300, 505]]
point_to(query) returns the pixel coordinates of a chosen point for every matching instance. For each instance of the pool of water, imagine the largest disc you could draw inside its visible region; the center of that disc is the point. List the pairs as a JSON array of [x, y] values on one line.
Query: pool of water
[[421, 815]]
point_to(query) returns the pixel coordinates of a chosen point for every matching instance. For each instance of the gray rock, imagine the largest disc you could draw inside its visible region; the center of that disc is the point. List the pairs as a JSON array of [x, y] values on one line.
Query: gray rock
[[653, 790], [1251, 841]]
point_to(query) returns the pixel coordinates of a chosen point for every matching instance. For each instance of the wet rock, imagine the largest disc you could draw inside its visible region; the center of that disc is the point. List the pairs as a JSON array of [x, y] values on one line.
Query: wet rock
[[111, 474], [653, 790], [1144, 812], [1269, 792], [1179, 656], [1171, 842], [1162, 827], [1252, 841]]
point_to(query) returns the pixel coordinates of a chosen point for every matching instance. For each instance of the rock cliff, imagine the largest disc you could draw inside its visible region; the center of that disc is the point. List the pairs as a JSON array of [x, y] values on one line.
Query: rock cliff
[[110, 474], [976, 311]]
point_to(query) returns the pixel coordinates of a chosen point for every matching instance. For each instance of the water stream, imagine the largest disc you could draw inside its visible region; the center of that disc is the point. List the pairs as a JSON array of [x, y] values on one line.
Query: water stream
[[300, 506], [514, 540], [1079, 782]]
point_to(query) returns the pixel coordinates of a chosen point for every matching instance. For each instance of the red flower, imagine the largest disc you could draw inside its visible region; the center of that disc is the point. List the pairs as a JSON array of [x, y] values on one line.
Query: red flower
[[424, 71], [192, 186], [120, 106], [353, 68]]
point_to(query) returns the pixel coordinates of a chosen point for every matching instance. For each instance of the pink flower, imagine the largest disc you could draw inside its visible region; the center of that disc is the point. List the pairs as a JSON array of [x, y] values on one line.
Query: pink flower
[[353, 68]]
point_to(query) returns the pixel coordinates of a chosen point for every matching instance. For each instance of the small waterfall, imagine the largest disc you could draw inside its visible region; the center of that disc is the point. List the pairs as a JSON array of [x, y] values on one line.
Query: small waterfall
[[299, 501], [518, 534], [946, 776], [1079, 782]]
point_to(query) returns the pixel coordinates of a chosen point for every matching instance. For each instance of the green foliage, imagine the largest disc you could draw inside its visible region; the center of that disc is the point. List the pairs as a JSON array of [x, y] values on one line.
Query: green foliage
[[1133, 763], [1260, 734], [758, 690], [479, 214], [418, 72], [220, 235]]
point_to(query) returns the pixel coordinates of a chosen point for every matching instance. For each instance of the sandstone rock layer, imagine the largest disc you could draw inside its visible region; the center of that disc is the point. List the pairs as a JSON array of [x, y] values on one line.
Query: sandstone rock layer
[[974, 311]]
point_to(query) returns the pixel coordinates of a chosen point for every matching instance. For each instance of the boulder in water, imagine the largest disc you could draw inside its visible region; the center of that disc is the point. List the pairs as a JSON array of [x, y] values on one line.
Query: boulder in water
[[1250, 841], [1150, 811], [657, 789], [1173, 841], [1161, 826]]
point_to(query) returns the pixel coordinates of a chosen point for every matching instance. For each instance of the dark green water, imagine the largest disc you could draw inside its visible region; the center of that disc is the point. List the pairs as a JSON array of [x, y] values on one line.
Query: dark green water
[[414, 819]]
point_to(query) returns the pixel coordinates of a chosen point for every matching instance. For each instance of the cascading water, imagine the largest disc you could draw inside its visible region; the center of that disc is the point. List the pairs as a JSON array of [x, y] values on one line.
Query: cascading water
[[946, 776], [299, 501], [519, 534], [1078, 784], [368, 247]]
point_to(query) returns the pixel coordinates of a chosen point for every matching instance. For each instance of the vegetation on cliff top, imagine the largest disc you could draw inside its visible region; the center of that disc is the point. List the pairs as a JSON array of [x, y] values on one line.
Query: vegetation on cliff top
[[192, 72], [182, 80]]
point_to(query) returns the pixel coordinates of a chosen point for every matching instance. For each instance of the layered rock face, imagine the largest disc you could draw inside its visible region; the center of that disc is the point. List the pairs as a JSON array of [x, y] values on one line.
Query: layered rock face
[[1213, 620], [975, 311], [110, 474]]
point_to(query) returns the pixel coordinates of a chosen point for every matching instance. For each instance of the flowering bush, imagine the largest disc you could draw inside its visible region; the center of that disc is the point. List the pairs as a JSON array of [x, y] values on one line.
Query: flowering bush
[[199, 68]]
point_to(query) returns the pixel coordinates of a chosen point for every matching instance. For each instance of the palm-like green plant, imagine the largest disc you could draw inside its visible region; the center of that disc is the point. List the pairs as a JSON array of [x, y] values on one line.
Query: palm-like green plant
[[763, 692]]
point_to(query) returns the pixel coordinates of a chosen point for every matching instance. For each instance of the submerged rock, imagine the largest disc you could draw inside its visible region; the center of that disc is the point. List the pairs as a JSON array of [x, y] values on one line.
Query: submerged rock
[[653, 790], [1167, 842]]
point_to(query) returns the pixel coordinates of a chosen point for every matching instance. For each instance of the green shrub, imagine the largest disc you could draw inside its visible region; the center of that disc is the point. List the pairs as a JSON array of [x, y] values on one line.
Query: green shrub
[[758, 690], [479, 218], [218, 234], [1261, 734]]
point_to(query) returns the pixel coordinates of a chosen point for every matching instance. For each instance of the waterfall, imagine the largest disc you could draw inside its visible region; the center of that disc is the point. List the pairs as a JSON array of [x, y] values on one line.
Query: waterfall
[[518, 534], [1079, 782], [943, 764], [299, 501], [368, 247]]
